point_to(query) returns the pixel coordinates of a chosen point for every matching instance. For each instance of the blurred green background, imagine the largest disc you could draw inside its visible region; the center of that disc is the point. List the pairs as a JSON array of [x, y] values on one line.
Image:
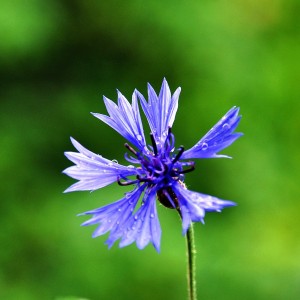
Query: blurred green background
[[57, 59]]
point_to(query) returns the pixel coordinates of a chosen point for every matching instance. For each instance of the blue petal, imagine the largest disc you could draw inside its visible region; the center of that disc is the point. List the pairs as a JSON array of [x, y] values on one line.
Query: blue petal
[[160, 111], [92, 170], [217, 139], [143, 227], [125, 119], [113, 217], [193, 205]]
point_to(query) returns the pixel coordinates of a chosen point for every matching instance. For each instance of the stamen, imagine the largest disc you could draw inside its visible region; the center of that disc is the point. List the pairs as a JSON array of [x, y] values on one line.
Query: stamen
[[181, 150], [142, 179], [192, 168], [170, 141], [131, 149], [125, 183], [131, 159], [159, 169], [153, 144]]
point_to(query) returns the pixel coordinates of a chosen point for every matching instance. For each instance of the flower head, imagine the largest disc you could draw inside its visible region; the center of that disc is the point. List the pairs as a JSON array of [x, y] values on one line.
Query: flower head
[[156, 171]]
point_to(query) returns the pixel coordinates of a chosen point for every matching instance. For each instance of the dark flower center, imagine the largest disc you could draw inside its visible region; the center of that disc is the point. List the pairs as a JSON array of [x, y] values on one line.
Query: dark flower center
[[160, 168]]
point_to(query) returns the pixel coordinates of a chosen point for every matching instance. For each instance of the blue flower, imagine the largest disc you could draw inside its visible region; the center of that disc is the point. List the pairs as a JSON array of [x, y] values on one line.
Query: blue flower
[[156, 171]]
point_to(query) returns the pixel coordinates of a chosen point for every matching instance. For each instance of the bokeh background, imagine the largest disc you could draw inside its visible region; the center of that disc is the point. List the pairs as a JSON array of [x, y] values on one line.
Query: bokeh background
[[57, 59]]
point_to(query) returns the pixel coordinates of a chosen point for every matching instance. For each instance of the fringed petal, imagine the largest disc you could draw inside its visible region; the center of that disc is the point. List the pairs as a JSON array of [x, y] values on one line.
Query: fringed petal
[[125, 119], [160, 111], [193, 205], [143, 227], [114, 217], [217, 139], [93, 171]]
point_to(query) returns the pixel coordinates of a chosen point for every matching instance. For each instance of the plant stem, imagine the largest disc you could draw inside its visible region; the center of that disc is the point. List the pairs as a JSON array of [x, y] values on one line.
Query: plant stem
[[191, 264]]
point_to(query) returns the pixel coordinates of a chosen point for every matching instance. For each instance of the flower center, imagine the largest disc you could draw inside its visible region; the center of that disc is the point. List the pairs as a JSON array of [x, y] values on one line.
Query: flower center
[[160, 168]]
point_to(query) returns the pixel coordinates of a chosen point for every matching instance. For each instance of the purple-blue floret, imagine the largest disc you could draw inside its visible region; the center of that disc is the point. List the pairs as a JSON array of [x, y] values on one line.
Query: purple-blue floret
[[156, 171]]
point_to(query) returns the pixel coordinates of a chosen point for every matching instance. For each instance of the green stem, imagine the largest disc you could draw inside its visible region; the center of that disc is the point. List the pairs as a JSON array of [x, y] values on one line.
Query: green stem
[[191, 264]]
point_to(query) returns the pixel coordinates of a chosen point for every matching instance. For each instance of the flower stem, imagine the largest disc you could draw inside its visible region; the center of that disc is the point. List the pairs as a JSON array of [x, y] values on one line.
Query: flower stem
[[191, 264]]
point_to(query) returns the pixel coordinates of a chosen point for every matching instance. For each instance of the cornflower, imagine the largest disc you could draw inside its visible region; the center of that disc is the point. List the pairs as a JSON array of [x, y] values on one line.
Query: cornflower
[[156, 171]]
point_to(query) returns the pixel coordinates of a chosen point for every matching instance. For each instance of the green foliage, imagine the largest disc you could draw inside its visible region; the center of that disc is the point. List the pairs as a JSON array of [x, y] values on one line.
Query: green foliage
[[56, 60]]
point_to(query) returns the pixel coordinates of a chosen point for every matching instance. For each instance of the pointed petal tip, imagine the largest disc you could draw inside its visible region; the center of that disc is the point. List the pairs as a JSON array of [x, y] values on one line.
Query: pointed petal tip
[[68, 190], [86, 223], [101, 117], [157, 248], [141, 246], [95, 114], [77, 146], [220, 156], [109, 244], [119, 93], [202, 221], [138, 94], [67, 153], [237, 111], [233, 111], [90, 212], [165, 84], [73, 141], [184, 230], [149, 86], [94, 235], [72, 188], [65, 170], [134, 95]]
